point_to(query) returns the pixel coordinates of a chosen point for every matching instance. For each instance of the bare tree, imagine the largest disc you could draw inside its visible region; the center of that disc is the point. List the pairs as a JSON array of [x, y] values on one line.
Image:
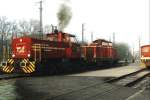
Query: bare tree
[[47, 28], [5, 28], [14, 29], [35, 26], [24, 27], [30, 27]]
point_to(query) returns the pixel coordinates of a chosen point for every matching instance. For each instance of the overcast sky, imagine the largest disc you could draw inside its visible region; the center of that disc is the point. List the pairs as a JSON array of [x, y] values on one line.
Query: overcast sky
[[127, 18]]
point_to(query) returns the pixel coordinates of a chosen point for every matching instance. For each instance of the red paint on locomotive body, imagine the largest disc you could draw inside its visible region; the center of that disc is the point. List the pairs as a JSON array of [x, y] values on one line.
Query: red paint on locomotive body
[[56, 46], [99, 50], [145, 55], [21, 47]]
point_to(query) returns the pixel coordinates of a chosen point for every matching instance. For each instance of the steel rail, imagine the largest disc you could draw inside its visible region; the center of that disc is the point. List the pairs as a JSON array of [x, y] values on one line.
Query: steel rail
[[130, 79]]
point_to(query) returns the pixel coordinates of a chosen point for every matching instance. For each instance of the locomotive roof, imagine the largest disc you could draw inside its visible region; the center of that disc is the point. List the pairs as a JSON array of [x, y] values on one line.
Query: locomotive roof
[[70, 35], [101, 40], [145, 45]]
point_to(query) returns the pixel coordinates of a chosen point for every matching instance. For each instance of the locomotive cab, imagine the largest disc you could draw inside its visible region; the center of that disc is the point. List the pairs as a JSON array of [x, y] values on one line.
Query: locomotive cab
[[61, 37]]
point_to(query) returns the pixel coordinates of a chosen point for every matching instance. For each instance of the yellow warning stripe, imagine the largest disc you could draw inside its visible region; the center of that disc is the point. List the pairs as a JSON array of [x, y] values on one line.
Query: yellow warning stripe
[[24, 70], [4, 68], [8, 60], [29, 69], [26, 60], [31, 63], [32, 67], [7, 70], [12, 69], [11, 62]]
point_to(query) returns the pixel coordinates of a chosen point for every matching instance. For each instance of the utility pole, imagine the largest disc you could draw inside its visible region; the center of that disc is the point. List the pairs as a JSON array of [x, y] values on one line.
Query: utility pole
[[82, 34], [41, 21], [133, 58], [139, 47], [2, 45], [91, 36], [113, 39], [149, 21], [110, 38], [52, 28]]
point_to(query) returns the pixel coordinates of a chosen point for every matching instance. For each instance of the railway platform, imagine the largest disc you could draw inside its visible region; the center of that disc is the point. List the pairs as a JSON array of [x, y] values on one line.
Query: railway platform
[[112, 72]]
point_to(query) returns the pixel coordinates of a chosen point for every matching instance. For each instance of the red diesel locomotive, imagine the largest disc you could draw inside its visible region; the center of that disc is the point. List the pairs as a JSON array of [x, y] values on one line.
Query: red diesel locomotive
[[100, 51], [145, 55], [28, 53]]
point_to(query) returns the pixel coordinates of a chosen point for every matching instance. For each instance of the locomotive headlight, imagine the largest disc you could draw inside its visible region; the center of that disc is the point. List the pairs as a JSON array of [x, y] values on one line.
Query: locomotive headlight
[[28, 55], [13, 55], [20, 40]]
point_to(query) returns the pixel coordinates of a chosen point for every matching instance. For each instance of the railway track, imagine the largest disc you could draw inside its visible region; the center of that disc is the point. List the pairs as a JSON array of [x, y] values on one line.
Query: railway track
[[105, 88], [12, 76], [15, 76], [98, 88], [131, 79], [125, 80], [101, 88]]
